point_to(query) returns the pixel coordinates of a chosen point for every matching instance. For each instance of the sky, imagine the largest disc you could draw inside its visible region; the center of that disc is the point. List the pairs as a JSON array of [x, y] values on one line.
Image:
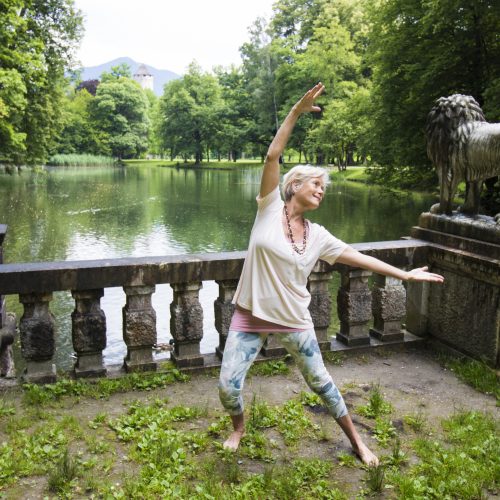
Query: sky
[[168, 34]]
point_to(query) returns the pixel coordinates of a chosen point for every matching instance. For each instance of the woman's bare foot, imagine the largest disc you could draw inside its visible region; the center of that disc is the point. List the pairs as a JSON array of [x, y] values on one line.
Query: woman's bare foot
[[365, 455], [233, 441]]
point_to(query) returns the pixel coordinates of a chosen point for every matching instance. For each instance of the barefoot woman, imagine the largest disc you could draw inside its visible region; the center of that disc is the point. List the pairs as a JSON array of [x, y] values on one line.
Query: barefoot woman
[[272, 296]]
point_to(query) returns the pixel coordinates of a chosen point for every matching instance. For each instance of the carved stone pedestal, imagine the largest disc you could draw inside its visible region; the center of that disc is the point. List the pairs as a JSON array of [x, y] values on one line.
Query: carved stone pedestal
[[463, 312], [389, 309], [139, 328], [186, 324], [88, 333], [37, 332], [354, 304]]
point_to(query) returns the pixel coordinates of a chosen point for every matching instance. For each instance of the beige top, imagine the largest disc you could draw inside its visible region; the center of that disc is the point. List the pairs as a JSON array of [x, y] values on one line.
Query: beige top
[[273, 282]]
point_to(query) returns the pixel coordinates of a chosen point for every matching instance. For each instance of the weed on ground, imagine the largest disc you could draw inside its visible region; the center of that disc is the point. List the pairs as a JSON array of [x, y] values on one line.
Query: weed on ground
[[140, 437]]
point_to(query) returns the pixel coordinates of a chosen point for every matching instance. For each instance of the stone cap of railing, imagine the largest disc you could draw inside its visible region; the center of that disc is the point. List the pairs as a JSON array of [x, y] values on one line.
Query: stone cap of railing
[[38, 277]]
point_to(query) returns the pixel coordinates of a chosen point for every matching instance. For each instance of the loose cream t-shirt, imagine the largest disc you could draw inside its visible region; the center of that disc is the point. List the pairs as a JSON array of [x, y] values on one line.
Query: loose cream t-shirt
[[273, 282]]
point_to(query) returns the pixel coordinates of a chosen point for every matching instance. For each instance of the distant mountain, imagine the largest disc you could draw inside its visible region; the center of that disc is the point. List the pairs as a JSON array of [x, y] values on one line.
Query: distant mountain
[[161, 76]]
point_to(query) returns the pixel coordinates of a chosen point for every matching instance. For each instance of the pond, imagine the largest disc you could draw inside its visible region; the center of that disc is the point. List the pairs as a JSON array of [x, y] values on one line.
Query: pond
[[92, 213]]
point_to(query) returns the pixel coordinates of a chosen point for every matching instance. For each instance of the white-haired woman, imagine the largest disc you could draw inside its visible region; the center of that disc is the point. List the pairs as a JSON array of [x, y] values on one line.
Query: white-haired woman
[[272, 294]]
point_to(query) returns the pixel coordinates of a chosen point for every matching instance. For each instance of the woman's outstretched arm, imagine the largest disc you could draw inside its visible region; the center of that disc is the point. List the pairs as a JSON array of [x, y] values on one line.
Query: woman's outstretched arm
[[271, 174], [352, 257]]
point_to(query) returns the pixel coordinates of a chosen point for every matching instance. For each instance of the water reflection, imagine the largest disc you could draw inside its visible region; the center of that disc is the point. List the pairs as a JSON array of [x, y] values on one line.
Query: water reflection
[[93, 213]]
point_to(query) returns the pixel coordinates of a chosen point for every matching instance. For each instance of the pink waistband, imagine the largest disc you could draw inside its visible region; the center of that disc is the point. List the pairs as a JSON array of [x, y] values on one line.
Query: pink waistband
[[244, 321]]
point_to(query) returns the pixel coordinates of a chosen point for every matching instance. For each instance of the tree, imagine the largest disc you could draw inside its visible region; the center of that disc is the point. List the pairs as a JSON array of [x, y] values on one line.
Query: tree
[[79, 135], [119, 112], [419, 51], [37, 41], [236, 115], [190, 114]]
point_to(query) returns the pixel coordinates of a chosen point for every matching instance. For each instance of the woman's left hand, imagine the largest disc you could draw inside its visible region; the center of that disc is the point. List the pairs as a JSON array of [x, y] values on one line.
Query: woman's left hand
[[422, 274]]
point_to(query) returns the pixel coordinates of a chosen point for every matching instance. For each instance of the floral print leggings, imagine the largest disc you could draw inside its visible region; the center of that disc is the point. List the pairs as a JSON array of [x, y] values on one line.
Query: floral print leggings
[[242, 349]]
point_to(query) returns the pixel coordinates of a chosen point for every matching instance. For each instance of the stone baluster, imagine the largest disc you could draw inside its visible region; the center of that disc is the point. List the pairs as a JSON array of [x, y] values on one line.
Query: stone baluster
[[354, 305], [88, 332], [139, 328], [389, 308], [37, 330], [321, 306], [186, 324], [224, 309], [272, 347]]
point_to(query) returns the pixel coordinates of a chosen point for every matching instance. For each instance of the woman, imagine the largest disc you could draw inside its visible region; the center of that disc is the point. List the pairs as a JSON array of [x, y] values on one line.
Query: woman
[[272, 296]]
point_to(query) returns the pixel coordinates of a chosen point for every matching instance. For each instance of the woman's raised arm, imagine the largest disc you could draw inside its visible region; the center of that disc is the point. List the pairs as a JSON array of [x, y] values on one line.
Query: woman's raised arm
[[271, 174]]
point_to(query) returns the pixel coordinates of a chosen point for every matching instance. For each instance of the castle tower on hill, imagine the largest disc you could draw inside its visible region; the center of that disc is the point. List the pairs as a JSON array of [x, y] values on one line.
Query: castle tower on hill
[[143, 77]]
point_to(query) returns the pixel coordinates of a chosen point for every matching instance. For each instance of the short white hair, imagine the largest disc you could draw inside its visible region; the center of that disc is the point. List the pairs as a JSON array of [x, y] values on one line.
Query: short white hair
[[300, 174]]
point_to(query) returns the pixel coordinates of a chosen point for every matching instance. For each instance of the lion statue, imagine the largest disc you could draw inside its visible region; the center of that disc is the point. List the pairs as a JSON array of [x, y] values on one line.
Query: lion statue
[[463, 146]]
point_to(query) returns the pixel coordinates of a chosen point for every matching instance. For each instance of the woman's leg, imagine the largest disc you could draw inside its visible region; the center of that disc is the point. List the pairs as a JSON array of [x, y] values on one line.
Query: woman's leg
[[304, 348], [239, 353]]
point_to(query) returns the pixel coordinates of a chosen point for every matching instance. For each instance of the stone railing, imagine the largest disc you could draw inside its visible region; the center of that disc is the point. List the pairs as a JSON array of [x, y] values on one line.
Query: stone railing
[[34, 283], [462, 314]]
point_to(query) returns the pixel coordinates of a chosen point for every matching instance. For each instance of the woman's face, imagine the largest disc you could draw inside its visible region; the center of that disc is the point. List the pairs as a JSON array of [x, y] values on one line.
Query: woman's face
[[310, 193]]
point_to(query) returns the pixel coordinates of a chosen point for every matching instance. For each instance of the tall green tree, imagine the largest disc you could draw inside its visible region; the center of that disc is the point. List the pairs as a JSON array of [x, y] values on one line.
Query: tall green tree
[[190, 114], [421, 50], [119, 112], [79, 134], [37, 43], [236, 117]]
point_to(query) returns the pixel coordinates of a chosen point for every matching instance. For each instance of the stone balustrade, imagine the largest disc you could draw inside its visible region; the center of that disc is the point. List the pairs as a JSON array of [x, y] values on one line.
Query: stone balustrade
[[35, 283], [372, 310]]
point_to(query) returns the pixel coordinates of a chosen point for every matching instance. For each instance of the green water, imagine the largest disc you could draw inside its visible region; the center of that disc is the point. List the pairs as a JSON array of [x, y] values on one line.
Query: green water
[[91, 213]]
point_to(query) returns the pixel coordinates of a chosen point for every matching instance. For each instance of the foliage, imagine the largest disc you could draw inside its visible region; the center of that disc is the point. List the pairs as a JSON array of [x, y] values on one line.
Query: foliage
[[383, 431], [269, 368], [472, 445], [103, 388], [475, 373], [75, 160], [37, 41], [376, 406], [420, 51], [119, 112], [190, 113], [65, 470]]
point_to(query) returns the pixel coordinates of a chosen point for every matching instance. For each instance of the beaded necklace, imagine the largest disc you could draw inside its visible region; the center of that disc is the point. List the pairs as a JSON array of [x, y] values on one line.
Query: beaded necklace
[[302, 250]]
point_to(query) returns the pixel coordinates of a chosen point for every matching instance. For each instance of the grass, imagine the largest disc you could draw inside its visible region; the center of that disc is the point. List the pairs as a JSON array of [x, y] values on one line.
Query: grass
[[145, 445], [38, 395], [357, 174], [79, 160], [475, 373], [377, 405]]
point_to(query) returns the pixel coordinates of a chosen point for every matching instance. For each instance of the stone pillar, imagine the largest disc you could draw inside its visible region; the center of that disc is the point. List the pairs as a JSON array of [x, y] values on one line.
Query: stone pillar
[[37, 329], [354, 306], [321, 306], [88, 333], [139, 328], [389, 308], [224, 309], [186, 324]]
